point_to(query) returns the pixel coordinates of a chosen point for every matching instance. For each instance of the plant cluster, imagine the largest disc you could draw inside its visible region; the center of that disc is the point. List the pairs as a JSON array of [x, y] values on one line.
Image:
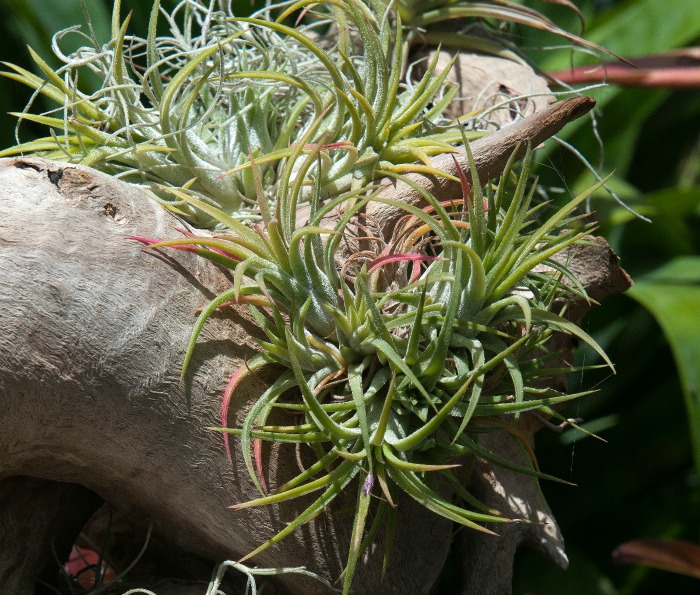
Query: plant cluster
[[395, 359], [192, 108]]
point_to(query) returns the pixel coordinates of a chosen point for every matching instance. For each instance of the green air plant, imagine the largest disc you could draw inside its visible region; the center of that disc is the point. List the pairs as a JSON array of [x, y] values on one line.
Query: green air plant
[[423, 13], [189, 110], [390, 383], [470, 24]]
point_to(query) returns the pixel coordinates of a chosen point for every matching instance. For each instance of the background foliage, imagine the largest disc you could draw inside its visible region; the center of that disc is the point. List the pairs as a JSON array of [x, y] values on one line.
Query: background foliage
[[645, 481]]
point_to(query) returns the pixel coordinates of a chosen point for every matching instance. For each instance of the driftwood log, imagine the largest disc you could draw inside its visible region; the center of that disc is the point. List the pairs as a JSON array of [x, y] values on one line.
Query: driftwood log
[[92, 336]]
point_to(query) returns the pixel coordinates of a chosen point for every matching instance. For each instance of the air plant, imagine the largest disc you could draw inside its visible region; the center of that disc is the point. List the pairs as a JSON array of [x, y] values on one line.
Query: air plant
[[391, 383], [422, 13], [190, 109], [427, 19]]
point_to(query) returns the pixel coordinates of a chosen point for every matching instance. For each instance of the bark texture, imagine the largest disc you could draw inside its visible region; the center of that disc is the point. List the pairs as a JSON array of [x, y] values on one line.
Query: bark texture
[[92, 337]]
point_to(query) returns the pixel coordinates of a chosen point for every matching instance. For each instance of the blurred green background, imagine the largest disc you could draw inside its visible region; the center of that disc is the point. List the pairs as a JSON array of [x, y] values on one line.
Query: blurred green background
[[645, 480]]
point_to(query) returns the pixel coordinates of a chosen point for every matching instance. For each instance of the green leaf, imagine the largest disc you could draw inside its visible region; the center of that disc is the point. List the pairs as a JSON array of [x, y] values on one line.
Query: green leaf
[[566, 326], [638, 27], [358, 529], [337, 486], [629, 28], [419, 491], [335, 431], [672, 295], [358, 397]]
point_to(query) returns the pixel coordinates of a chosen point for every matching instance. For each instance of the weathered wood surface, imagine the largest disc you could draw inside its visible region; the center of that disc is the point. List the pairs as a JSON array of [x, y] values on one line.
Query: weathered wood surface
[[92, 337]]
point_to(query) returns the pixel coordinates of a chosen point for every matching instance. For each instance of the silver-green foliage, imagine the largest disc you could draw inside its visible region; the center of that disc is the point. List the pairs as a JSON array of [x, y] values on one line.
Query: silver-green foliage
[[191, 108]]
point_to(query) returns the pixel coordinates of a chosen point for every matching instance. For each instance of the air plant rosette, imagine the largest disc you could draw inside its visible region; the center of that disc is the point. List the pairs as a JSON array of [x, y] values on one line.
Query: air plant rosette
[[190, 109], [389, 385], [394, 359]]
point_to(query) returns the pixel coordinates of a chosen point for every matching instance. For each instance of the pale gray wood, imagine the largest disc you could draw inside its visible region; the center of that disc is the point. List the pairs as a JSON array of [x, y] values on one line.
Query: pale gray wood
[[92, 336]]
